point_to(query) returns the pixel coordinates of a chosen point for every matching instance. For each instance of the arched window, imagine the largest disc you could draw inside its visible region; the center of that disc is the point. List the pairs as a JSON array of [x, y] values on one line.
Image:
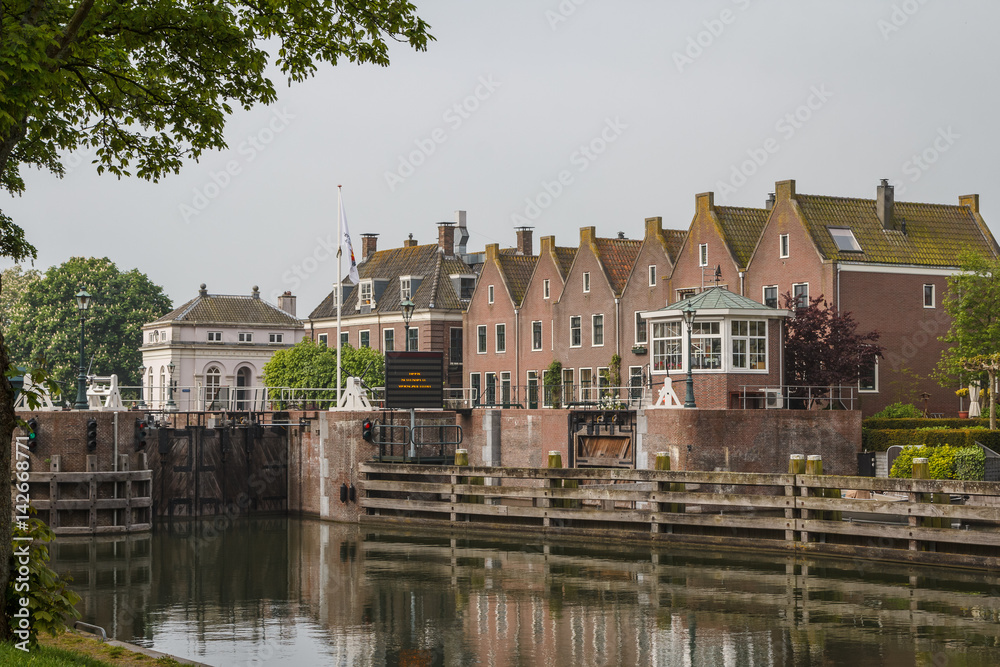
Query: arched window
[[163, 384], [149, 392], [213, 380]]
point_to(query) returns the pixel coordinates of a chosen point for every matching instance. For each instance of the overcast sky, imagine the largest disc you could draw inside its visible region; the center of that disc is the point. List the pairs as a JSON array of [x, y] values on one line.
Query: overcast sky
[[559, 115]]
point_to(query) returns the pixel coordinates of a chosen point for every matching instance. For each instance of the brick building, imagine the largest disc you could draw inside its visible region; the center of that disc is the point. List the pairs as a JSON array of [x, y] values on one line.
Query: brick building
[[434, 276]]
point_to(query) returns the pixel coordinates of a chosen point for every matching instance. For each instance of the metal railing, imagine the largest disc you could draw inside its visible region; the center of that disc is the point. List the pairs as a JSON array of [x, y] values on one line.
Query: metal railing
[[796, 397], [532, 396]]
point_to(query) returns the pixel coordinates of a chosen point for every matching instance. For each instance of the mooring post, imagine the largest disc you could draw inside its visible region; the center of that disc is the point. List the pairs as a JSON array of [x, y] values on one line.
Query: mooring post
[[921, 470], [796, 466], [662, 463], [461, 461], [555, 461]]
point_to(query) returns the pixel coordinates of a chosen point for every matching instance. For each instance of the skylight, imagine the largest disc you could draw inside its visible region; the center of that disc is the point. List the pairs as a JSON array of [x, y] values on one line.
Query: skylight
[[844, 238]]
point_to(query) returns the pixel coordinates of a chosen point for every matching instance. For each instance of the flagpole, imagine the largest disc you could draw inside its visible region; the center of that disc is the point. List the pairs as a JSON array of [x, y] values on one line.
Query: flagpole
[[340, 280]]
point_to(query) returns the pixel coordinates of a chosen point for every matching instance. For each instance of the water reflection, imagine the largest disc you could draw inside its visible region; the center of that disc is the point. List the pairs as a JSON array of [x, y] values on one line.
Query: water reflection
[[299, 592]]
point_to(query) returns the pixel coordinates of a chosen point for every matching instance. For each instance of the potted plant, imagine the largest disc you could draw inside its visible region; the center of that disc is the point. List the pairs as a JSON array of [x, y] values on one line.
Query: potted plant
[[962, 393], [638, 349]]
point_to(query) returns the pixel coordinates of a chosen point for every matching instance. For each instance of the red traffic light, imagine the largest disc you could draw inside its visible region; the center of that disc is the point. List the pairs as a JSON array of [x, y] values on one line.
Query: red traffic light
[[367, 426]]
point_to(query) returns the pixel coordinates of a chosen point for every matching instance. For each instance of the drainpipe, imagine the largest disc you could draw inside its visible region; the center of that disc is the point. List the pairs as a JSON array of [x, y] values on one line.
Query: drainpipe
[[618, 342], [517, 347], [838, 286], [742, 273]]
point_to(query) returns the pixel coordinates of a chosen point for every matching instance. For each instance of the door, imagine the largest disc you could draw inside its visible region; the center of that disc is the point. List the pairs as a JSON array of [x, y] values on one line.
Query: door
[[242, 391]]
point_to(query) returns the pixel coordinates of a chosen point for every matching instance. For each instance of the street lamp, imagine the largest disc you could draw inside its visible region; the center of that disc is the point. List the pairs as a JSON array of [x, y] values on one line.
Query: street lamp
[[688, 312], [82, 303], [142, 388], [170, 407], [407, 308]]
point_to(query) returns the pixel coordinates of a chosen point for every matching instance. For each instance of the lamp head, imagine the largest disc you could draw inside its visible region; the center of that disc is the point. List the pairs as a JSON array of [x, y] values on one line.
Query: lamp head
[[407, 308], [688, 312], [83, 299]]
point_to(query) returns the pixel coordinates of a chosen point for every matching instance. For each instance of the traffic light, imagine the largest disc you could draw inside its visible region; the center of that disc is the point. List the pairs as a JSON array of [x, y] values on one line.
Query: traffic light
[[366, 430], [32, 433], [91, 434], [141, 432]]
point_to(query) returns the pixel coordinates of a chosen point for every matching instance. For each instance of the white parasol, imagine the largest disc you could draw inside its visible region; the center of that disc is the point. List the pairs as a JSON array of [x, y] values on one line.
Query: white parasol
[[974, 410]]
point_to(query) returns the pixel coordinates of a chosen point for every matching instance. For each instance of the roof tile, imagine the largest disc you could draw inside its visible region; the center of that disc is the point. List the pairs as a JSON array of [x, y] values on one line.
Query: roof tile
[[617, 256]]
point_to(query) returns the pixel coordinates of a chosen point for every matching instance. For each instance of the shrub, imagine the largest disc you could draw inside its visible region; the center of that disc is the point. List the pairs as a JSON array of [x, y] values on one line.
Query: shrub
[[943, 462], [970, 464], [899, 411], [50, 602], [879, 440], [872, 422]]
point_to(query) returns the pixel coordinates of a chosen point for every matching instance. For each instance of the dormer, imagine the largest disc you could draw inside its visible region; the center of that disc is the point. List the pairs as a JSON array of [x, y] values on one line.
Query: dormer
[[408, 286], [464, 285], [369, 292]]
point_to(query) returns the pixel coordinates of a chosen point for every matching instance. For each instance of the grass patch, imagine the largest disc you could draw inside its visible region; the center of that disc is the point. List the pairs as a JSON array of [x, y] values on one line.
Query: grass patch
[[73, 648], [47, 656]]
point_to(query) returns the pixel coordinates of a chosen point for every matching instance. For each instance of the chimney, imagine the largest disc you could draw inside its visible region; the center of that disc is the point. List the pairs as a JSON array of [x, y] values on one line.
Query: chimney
[[972, 201], [410, 242], [463, 232], [286, 302], [492, 251], [524, 244], [884, 205], [203, 290], [769, 204], [784, 190], [256, 292], [547, 245], [654, 226], [369, 244], [446, 238], [587, 235], [704, 202]]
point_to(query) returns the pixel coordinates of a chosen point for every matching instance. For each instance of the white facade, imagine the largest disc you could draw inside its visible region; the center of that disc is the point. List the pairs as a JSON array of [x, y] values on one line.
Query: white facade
[[218, 361]]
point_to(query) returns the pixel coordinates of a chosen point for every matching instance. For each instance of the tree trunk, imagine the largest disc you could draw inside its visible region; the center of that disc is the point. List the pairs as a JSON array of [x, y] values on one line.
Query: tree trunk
[[993, 399], [7, 422]]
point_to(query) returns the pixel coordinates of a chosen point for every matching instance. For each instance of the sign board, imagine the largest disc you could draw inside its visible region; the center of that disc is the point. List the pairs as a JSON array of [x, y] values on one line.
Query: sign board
[[414, 380]]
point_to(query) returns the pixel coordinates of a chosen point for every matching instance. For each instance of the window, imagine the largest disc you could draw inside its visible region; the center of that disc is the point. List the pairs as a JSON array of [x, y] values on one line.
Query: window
[[275, 338], [545, 288], [586, 281], [844, 238], [597, 330], [532, 389], [635, 382], [505, 387], [575, 336], [652, 275], [868, 380], [214, 336], [491, 388], [490, 294], [364, 338], [501, 340], [481, 338], [474, 387], [467, 288], [213, 380], [364, 294], [163, 383], [928, 296], [344, 341], [547, 392], [706, 345], [245, 337], [667, 346], [404, 289], [641, 329], [749, 344], [783, 245], [414, 340], [685, 293], [586, 382], [322, 339], [801, 293], [603, 379], [151, 336], [455, 349], [567, 386], [771, 296], [388, 340], [703, 254], [536, 335]]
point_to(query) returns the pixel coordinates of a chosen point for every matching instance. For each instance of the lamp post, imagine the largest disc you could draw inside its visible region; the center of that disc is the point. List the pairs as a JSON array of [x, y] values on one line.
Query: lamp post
[[82, 303], [688, 312], [407, 308], [170, 407], [142, 388]]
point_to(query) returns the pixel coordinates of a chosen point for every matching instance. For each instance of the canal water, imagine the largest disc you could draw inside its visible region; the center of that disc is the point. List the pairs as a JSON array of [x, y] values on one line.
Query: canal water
[[282, 591]]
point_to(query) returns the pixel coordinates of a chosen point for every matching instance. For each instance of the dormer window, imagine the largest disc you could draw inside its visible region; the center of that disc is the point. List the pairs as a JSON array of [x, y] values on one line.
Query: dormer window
[[404, 289], [245, 337], [365, 294], [214, 336], [468, 287]]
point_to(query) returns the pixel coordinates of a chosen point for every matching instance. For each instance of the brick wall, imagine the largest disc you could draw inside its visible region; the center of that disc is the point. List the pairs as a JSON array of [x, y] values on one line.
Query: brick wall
[[527, 436], [704, 229], [64, 433], [751, 440]]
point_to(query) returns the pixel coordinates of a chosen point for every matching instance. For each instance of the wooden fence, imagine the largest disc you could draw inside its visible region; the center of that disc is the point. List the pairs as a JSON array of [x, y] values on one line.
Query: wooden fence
[[765, 511]]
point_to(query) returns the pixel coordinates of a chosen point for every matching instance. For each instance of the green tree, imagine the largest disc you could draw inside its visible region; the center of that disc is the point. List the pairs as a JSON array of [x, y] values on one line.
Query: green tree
[[309, 365], [973, 301], [16, 281], [45, 322]]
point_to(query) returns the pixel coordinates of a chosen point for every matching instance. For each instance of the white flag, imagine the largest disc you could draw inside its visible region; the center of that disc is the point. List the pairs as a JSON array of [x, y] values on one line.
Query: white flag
[[346, 249]]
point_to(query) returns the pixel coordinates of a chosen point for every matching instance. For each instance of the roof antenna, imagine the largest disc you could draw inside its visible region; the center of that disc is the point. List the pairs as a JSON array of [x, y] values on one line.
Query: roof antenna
[[718, 274]]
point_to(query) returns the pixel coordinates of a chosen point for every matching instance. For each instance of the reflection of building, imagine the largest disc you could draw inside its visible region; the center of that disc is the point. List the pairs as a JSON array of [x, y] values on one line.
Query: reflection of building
[[218, 345]]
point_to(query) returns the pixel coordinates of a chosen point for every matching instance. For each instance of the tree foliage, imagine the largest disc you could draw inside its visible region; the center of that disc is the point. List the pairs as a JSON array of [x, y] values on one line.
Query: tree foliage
[[314, 366], [823, 347], [15, 281], [45, 320], [973, 301], [989, 364]]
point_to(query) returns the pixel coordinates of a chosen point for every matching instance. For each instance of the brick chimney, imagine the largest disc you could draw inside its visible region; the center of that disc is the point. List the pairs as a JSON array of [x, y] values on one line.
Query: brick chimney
[[972, 201], [784, 190], [587, 235], [654, 226], [704, 201], [446, 238], [547, 245], [286, 302], [524, 244], [369, 245], [410, 242], [885, 205]]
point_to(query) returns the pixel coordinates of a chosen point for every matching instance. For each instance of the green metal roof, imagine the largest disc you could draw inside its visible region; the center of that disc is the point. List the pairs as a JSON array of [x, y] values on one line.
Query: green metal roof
[[719, 298]]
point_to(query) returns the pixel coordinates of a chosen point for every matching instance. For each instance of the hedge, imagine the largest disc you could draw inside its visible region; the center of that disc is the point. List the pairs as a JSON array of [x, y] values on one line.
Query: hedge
[[923, 422], [943, 462], [879, 440]]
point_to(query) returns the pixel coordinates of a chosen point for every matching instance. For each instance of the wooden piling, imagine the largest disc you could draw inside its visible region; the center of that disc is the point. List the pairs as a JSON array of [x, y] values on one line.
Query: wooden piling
[[921, 470], [796, 466], [555, 461]]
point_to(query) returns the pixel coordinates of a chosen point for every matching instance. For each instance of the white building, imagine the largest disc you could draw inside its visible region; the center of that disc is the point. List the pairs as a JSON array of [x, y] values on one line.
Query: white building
[[217, 345]]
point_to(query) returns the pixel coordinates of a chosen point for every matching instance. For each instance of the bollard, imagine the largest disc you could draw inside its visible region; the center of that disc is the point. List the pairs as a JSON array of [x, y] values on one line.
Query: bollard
[[555, 461], [462, 459], [921, 470], [663, 463], [797, 464]]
